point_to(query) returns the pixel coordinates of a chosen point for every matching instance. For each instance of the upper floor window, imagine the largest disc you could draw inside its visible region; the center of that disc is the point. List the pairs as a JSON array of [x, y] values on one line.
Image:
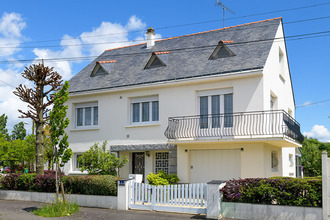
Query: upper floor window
[[216, 108], [144, 110], [87, 115]]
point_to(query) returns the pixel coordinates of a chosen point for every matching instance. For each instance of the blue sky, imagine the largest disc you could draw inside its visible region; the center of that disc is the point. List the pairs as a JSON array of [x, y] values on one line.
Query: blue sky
[[44, 29]]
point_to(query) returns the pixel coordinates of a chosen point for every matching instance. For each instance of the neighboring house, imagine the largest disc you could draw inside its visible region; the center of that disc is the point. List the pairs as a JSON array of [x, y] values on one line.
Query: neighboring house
[[212, 105]]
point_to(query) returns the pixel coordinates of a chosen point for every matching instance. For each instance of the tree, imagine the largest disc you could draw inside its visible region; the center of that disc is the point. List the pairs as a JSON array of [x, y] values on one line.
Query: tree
[[98, 160], [311, 156], [3, 124], [19, 132], [46, 81], [58, 122]]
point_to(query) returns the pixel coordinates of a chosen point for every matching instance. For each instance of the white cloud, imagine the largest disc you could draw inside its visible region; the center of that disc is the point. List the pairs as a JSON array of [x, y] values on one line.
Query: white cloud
[[11, 25], [319, 132], [135, 23], [307, 103], [63, 67]]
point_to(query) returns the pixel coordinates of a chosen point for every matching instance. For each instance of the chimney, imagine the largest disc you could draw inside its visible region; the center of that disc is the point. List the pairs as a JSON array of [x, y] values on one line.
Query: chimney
[[150, 37]]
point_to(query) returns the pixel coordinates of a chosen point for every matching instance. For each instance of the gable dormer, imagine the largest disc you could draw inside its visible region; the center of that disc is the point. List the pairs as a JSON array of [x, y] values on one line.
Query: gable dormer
[[103, 67], [157, 59], [221, 51]]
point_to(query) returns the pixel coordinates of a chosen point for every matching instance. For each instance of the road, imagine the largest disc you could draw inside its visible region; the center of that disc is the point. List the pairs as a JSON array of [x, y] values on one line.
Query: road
[[18, 210]]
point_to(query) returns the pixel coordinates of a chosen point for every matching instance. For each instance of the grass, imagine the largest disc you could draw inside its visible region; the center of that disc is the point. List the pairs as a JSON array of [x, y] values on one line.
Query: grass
[[57, 209]]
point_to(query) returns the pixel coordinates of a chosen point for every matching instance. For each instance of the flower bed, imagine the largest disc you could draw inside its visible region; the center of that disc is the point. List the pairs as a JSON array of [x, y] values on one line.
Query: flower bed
[[276, 191]]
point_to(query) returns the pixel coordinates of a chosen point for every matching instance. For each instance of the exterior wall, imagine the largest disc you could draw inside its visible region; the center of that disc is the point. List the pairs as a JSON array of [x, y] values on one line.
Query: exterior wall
[[289, 167], [273, 84], [179, 100], [255, 158]]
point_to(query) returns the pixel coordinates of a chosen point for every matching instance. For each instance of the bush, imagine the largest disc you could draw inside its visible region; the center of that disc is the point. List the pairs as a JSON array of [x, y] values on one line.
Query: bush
[[91, 185], [162, 178], [88, 185], [279, 191]]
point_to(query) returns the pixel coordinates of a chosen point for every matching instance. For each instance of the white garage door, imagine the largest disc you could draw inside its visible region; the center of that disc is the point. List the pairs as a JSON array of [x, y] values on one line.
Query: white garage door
[[207, 165]]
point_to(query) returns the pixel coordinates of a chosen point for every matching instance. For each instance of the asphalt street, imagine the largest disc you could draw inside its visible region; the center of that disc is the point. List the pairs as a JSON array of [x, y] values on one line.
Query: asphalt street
[[22, 210]]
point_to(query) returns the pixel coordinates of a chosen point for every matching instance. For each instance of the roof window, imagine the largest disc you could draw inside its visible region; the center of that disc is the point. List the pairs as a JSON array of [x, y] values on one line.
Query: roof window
[[157, 59], [103, 67], [221, 51]]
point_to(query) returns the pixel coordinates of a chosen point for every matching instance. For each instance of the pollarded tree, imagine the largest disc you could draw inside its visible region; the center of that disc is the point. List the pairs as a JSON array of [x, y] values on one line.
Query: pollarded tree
[[46, 81]]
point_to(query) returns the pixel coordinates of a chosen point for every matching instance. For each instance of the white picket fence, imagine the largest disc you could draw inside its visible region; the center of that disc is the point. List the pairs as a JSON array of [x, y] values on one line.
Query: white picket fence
[[189, 198]]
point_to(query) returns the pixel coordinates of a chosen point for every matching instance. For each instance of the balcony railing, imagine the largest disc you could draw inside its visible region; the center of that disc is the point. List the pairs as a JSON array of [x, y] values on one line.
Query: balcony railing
[[261, 124]]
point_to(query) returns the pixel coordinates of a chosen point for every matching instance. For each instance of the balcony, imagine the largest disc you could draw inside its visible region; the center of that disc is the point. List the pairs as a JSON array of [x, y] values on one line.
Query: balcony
[[257, 124]]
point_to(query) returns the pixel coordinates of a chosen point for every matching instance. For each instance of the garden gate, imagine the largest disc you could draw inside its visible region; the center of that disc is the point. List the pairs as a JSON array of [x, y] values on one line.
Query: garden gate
[[189, 198]]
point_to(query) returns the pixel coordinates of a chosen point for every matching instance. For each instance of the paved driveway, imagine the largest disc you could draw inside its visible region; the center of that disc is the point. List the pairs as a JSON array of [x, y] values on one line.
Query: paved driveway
[[18, 210]]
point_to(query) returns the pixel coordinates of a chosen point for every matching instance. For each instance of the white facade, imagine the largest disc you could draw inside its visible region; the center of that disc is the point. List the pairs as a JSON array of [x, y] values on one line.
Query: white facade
[[258, 90]]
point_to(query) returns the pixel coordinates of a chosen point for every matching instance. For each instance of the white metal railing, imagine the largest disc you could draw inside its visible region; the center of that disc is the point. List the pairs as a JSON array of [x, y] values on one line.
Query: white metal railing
[[181, 197]]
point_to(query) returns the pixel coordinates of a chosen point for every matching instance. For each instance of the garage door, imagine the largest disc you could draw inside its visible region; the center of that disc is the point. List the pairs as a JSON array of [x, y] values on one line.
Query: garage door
[[207, 165]]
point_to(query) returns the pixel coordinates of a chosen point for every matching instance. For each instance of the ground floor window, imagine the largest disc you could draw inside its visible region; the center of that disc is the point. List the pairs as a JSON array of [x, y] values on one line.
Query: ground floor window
[[76, 164], [162, 162], [275, 161]]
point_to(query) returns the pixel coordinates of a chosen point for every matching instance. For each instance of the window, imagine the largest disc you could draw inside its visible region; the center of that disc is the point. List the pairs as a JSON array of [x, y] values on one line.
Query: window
[[162, 162], [216, 109], [87, 115], [291, 160], [221, 51], [144, 110], [274, 161], [76, 163]]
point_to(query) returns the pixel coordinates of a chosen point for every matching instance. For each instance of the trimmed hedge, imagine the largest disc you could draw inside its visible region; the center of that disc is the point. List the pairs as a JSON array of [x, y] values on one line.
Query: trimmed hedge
[[88, 185], [274, 191]]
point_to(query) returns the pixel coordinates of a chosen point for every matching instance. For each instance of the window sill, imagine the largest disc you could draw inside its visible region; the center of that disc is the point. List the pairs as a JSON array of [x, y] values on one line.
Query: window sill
[[142, 125], [77, 172], [85, 128]]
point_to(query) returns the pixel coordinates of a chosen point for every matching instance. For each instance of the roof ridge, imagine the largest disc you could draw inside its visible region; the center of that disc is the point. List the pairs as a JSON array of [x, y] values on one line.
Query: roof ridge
[[219, 29]]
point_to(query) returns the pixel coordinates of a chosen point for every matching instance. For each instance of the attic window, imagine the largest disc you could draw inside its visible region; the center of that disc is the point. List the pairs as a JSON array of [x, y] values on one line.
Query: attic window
[[221, 51], [157, 59], [103, 67]]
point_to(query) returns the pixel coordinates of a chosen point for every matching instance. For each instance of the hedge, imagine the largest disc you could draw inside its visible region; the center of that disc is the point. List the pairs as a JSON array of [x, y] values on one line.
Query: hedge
[[274, 191], [88, 185]]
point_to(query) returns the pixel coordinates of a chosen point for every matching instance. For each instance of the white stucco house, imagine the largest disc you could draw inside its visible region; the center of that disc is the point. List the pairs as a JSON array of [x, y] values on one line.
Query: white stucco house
[[213, 105]]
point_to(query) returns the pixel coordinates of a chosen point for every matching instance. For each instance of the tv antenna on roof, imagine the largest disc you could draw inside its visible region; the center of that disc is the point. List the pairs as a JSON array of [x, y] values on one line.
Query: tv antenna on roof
[[224, 8]]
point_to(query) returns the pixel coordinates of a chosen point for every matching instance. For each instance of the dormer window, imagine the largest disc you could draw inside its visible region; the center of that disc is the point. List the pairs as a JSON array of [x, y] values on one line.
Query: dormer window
[[157, 59], [221, 51], [103, 67]]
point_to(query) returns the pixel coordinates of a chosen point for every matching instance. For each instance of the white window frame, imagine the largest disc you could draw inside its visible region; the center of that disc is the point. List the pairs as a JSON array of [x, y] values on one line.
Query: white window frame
[[75, 161], [168, 161], [140, 100], [275, 167], [209, 94], [84, 106]]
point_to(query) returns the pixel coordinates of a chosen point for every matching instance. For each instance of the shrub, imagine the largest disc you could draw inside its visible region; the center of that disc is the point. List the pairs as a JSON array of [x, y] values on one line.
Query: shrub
[[162, 178], [277, 190], [91, 185], [88, 185]]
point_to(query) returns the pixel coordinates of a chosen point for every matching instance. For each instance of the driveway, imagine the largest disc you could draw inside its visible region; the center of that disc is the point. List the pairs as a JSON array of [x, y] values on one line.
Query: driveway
[[18, 210]]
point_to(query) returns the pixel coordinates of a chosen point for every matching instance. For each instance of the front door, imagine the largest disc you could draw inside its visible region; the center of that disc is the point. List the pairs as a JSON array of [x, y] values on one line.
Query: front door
[[138, 163]]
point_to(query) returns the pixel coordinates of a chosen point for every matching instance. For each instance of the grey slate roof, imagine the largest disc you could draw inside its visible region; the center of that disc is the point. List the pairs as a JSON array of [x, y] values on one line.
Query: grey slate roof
[[181, 62]]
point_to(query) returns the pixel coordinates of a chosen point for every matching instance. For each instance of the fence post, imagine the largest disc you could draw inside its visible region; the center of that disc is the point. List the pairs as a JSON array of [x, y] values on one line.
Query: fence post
[[123, 194], [325, 185], [213, 208]]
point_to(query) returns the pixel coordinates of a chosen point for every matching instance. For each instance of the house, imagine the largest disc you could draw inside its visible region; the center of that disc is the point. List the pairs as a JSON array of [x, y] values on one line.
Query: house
[[211, 105]]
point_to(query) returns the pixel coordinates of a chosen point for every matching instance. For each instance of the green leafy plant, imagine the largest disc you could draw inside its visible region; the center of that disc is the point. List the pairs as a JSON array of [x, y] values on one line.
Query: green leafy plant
[[57, 208], [276, 191], [162, 178], [99, 161]]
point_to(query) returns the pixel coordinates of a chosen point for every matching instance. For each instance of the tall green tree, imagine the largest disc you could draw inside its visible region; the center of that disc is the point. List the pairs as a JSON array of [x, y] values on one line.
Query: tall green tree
[[311, 156], [46, 81], [58, 122], [3, 124], [99, 161], [19, 132]]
